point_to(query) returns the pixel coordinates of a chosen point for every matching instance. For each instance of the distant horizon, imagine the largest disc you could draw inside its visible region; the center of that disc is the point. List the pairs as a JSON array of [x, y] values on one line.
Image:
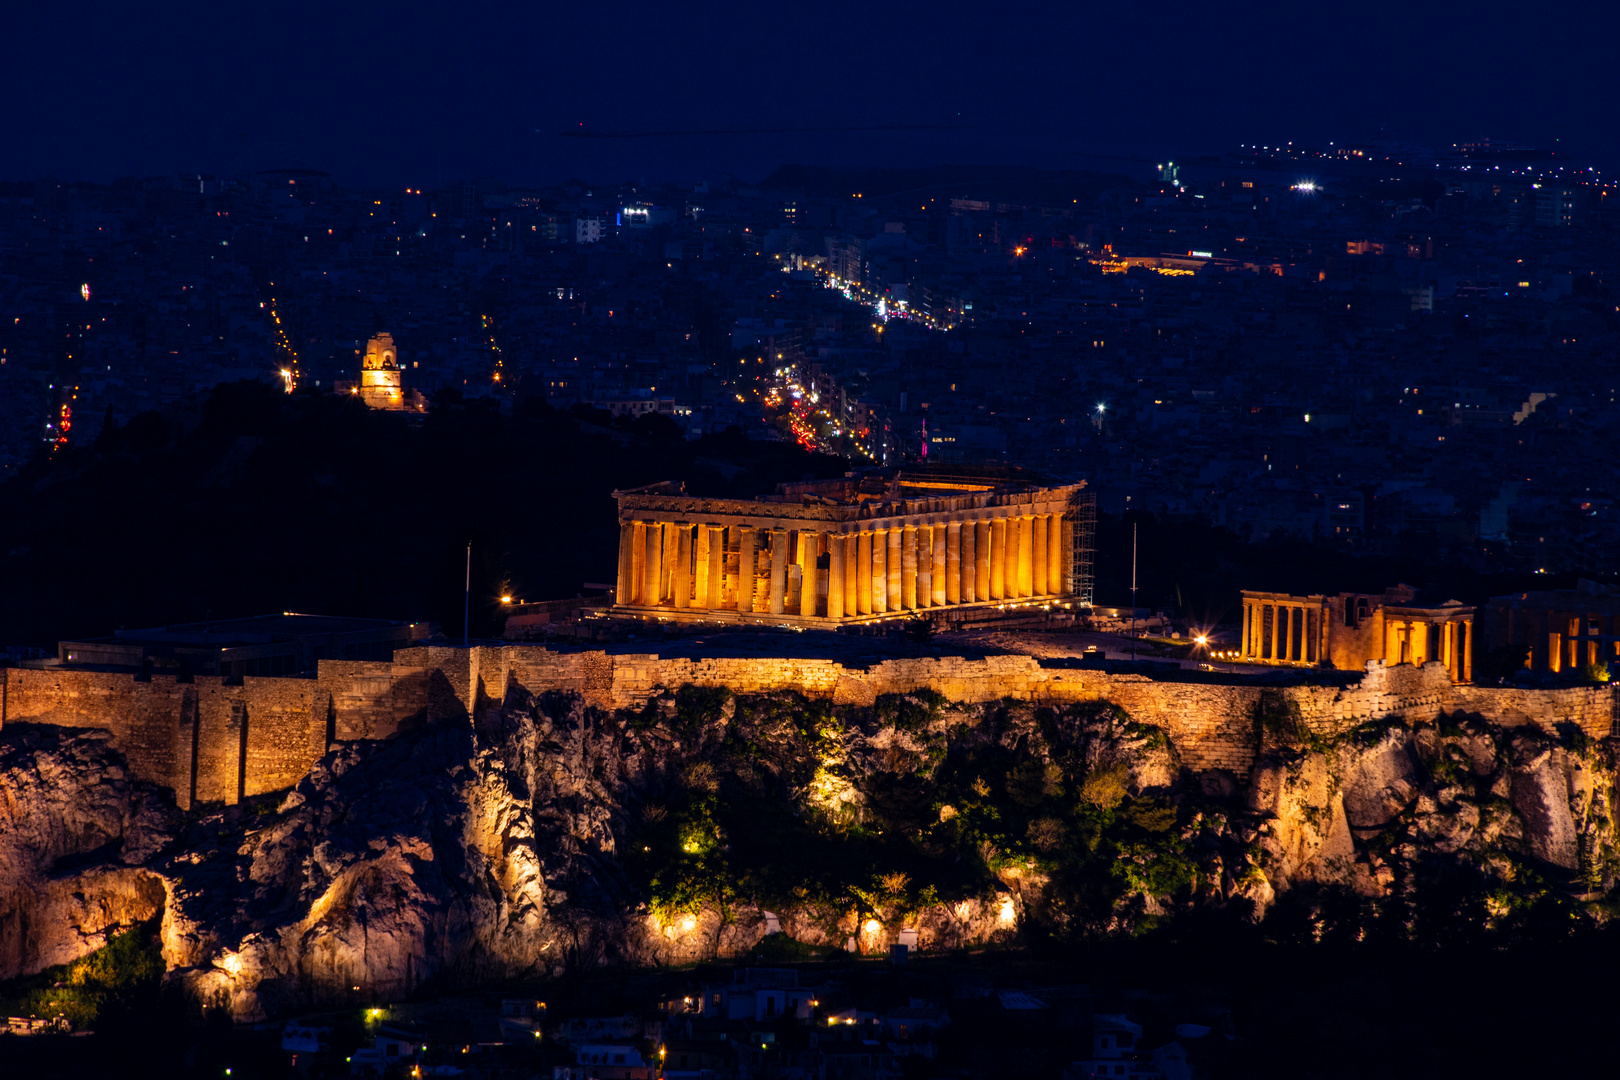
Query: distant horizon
[[1112, 161], [413, 94]]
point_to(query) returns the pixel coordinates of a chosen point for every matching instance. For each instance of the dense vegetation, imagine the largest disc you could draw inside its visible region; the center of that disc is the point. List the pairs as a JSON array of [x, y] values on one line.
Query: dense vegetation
[[779, 805], [790, 804], [111, 979]]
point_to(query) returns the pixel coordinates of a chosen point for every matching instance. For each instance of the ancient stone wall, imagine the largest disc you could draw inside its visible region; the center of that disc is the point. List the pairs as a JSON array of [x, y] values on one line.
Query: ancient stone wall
[[213, 742], [205, 740]]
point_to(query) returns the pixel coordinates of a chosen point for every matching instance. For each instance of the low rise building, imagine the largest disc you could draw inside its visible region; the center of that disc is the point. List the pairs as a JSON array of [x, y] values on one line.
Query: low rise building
[[281, 643]]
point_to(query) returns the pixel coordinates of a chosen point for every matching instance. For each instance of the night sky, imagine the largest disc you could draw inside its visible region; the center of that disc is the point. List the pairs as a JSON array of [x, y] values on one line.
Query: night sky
[[415, 93]]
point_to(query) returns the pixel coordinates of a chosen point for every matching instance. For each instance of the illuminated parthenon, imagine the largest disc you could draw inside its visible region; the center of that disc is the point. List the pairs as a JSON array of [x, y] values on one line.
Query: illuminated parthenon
[[860, 548], [1347, 630]]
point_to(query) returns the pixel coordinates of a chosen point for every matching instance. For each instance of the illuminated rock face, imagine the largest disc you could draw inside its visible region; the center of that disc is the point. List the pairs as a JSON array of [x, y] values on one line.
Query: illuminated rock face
[[380, 376], [468, 849], [76, 833]]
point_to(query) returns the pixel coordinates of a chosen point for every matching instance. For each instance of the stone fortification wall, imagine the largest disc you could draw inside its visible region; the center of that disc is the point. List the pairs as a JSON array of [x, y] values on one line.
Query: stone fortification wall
[[212, 742], [203, 739]]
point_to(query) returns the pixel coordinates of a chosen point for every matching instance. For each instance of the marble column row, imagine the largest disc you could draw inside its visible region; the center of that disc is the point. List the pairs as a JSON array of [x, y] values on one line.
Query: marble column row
[[840, 575], [1281, 631]]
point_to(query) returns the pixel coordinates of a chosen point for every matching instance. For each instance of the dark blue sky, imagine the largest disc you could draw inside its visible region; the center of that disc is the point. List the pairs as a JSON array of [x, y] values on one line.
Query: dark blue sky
[[409, 93]]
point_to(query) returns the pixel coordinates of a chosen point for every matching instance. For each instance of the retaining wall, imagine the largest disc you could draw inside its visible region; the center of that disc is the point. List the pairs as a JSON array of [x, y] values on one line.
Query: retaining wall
[[213, 742]]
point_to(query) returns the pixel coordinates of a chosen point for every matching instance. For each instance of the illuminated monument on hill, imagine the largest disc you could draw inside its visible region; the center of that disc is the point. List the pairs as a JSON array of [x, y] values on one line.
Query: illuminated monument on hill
[[381, 384], [863, 548]]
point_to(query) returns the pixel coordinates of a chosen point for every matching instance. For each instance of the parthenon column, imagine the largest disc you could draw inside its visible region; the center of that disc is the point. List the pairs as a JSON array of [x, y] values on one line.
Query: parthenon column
[[835, 575], [681, 574], [1247, 628], [981, 561], [941, 563], [1054, 553], [1011, 575], [666, 565], [746, 571], [1038, 558], [700, 567], [925, 566], [863, 572], [809, 548], [908, 568], [779, 561], [638, 562], [627, 557], [651, 566], [998, 559], [1026, 556], [969, 555], [1276, 613], [895, 572], [953, 562], [1009, 568], [880, 571], [717, 566], [1465, 650], [851, 574]]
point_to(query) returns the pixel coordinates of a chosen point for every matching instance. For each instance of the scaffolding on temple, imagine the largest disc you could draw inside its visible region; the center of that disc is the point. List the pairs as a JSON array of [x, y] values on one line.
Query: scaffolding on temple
[[1083, 513]]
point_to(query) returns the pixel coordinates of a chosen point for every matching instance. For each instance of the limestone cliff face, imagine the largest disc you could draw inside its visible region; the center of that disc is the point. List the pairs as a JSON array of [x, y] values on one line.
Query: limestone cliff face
[[546, 834], [76, 833], [1362, 811]]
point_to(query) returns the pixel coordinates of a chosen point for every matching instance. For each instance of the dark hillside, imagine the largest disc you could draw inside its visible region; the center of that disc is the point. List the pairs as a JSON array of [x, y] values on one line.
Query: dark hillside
[[262, 502]]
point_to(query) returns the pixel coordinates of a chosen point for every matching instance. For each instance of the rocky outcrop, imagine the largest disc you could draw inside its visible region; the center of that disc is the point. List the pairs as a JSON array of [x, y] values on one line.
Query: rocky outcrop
[[1362, 810], [76, 835], [547, 834]]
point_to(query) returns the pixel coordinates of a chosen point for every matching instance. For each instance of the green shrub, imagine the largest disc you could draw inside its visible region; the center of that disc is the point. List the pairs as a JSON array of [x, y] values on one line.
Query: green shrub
[[1104, 787]]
